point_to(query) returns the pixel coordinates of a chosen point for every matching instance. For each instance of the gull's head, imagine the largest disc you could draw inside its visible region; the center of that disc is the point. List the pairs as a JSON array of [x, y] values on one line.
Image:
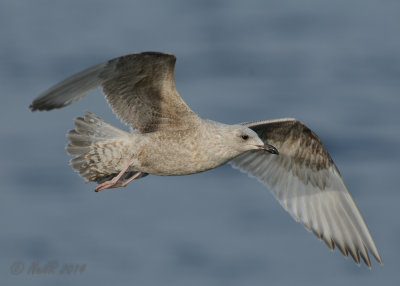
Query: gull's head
[[224, 142], [245, 139]]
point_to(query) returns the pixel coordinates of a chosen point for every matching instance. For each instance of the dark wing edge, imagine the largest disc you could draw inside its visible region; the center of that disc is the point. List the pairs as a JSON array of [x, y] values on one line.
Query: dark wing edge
[[140, 89], [69, 90], [307, 183]]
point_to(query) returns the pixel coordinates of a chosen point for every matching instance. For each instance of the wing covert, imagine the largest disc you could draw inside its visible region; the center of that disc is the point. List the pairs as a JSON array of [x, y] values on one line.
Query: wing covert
[[140, 89], [307, 183]]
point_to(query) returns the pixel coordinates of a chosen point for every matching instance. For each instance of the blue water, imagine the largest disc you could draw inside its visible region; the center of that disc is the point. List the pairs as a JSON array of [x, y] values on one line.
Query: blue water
[[333, 65]]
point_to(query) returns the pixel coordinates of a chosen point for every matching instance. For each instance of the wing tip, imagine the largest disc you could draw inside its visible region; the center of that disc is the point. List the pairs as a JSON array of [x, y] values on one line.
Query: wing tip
[[377, 258], [357, 254], [39, 105], [32, 107]]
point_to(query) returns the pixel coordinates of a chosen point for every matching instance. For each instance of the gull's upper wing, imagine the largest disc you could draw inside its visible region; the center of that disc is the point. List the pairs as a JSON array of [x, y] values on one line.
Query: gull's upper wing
[[140, 89], [308, 185]]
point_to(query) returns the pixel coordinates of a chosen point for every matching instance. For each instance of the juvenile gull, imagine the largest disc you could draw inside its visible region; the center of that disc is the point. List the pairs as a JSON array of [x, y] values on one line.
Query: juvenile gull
[[168, 138]]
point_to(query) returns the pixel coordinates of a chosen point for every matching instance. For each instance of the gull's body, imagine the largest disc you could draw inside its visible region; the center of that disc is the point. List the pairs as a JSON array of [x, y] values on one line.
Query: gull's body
[[168, 138]]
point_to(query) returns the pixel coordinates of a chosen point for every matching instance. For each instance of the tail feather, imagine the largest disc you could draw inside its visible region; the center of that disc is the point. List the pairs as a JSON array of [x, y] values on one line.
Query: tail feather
[[77, 150], [84, 140], [79, 139], [88, 130], [93, 126]]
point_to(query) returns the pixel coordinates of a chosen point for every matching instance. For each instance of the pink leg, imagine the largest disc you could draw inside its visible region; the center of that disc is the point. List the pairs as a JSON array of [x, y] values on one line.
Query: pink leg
[[126, 182], [123, 183], [111, 183]]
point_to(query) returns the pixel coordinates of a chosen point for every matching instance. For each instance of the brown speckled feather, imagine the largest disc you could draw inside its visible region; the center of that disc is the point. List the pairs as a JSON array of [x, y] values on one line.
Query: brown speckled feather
[[140, 89], [307, 183]]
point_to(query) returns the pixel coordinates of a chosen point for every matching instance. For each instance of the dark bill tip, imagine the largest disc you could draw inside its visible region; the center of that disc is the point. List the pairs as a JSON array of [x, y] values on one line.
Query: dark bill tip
[[269, 148]]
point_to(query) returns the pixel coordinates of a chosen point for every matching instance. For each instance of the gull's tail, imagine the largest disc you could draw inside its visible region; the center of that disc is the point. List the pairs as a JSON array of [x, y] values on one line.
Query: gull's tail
[[100, 149]]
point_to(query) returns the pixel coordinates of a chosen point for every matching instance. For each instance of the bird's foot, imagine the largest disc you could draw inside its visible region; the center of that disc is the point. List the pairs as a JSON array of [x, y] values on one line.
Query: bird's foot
[[113, 183], [108, 185], [116, 182]]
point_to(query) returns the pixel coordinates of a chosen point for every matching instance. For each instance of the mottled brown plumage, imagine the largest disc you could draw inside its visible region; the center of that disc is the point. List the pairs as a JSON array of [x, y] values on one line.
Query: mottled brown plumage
[[307, 183], [143, 85], [168, 138]]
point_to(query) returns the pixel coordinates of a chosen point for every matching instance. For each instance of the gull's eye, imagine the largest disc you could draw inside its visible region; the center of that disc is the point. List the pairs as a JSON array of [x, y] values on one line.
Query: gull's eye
[[245, 137]]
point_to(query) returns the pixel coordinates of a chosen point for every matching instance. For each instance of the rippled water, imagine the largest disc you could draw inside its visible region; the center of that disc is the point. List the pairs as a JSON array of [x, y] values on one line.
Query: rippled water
[[333, 65]]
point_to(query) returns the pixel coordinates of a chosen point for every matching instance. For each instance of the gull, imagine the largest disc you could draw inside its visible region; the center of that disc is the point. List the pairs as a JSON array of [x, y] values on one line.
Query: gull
[[168, 139]]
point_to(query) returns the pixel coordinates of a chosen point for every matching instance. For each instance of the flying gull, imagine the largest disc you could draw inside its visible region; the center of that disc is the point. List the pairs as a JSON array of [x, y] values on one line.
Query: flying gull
[[168, 138]]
